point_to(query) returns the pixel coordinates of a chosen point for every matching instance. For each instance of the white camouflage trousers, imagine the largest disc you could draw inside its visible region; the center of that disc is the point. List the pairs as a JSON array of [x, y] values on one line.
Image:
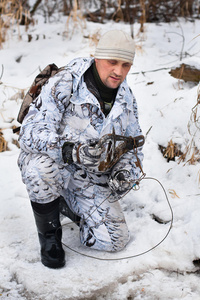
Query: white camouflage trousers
[[102, 225]]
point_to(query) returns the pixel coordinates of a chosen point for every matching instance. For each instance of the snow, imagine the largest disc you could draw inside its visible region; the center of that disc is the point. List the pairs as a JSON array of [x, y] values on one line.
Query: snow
[[165, 107]]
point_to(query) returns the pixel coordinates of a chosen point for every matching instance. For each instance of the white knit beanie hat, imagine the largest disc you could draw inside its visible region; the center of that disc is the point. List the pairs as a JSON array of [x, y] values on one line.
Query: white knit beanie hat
[[116, 44]]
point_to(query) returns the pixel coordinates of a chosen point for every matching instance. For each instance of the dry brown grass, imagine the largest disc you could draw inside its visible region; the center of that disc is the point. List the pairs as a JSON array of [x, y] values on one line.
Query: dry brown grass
[[189, 158], [194, 116], [11, 12], [173, 193], [94, 38], [198, 177], [171, 151], [76, 18], [16, 143], [192, 153], [3, 143], [195, 157]]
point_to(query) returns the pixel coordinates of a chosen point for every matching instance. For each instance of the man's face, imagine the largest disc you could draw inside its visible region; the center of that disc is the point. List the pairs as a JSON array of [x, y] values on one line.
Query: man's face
[[112, 72]]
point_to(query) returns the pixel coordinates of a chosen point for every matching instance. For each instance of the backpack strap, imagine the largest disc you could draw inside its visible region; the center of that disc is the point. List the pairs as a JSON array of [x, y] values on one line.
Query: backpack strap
[[35, 89]]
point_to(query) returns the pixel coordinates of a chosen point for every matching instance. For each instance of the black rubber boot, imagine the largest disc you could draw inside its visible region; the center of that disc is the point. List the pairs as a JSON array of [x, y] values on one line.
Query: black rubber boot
[[50, 233]]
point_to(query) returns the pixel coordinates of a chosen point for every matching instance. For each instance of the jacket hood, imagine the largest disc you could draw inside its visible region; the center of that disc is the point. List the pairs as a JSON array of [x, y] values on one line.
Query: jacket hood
[[77, 68]]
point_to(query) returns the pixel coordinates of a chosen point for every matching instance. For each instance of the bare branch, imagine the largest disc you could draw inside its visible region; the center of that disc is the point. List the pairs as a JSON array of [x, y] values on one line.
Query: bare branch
[[2, 70]]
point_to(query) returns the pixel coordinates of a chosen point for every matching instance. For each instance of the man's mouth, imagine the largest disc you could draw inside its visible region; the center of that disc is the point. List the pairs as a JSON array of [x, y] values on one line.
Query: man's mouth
[[115, 78]]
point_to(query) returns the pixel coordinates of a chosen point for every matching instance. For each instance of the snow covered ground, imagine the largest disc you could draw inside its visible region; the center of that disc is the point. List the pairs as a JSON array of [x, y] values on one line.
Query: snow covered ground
[[165, 107]]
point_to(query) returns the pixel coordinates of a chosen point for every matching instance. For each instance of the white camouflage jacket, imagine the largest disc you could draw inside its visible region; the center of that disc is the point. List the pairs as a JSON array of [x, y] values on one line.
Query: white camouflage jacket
[[66, 110]]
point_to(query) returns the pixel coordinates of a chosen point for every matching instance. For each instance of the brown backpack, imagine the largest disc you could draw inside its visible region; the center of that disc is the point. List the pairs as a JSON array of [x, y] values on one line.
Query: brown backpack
[[35, 90]]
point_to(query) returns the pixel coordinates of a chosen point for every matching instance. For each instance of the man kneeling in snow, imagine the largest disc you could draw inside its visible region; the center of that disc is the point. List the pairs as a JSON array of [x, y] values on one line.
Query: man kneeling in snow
[[68, 159]]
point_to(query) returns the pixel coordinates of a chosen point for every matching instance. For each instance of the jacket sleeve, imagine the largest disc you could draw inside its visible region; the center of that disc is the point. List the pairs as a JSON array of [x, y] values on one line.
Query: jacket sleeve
[[132, 160], [41, 131]]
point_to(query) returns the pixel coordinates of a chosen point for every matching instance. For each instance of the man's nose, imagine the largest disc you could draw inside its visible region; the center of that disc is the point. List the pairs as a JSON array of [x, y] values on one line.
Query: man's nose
[[118, 70]]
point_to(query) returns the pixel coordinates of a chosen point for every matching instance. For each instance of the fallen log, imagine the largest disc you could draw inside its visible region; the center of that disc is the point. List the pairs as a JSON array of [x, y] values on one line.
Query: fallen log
[[186, 72]]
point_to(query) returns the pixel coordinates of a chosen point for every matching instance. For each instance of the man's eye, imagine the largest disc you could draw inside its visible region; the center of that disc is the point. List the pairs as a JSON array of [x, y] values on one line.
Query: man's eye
[[112, 62], [127, 65]]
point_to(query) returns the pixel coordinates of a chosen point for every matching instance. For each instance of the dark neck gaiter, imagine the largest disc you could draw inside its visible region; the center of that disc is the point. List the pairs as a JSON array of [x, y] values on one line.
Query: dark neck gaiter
[[107, 94]]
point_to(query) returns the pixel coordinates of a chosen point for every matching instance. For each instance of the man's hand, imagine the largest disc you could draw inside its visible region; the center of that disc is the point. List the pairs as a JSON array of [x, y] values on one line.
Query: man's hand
[[120, 182], [87, 155], [100, 155]]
